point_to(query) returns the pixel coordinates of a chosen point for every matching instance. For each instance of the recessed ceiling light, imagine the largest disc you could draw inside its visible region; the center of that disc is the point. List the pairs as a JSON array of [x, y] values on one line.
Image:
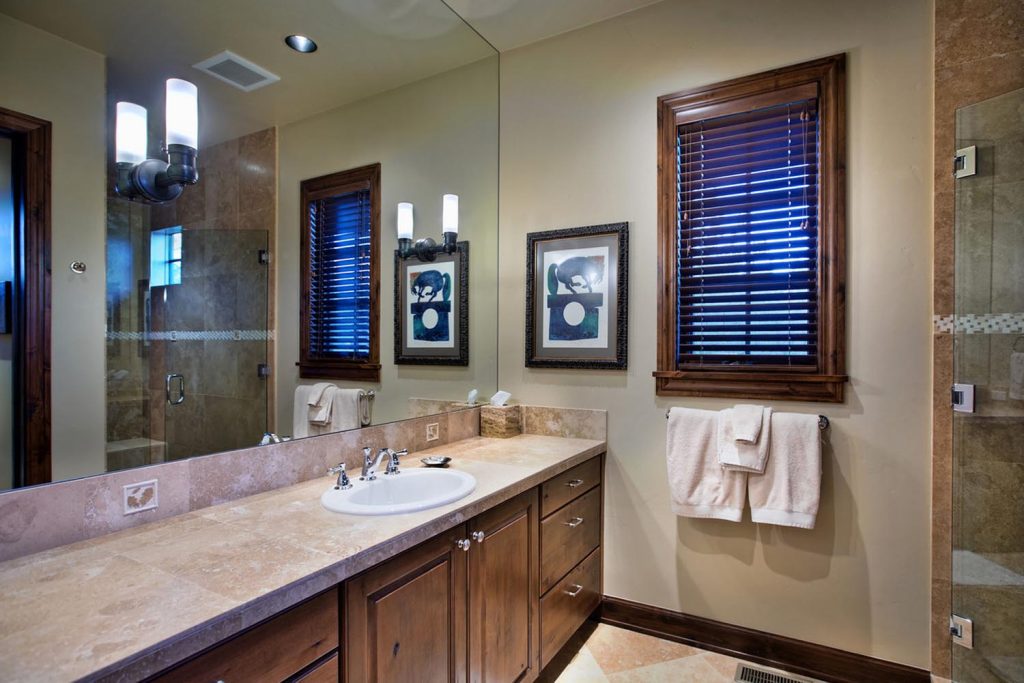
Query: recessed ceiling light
[[300, 43]]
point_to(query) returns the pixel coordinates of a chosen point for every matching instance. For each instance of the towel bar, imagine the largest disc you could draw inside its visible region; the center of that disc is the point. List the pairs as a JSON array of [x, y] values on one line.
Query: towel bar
[[823, 422]]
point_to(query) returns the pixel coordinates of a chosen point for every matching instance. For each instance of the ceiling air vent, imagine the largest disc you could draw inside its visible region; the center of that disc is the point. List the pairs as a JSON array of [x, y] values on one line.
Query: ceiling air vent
[[238, 71]]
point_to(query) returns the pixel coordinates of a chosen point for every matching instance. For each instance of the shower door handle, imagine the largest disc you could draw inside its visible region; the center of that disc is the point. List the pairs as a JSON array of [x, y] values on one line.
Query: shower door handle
[[181, 388]]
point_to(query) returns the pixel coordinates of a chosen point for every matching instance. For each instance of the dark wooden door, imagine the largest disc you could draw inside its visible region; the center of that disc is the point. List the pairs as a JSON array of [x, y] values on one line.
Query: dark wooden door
[[504, 621], [405, 620]]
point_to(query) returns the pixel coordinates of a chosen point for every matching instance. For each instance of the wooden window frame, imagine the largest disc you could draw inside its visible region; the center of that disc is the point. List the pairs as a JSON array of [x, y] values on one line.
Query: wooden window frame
[[326, 186], [32, 139], [825, 380]]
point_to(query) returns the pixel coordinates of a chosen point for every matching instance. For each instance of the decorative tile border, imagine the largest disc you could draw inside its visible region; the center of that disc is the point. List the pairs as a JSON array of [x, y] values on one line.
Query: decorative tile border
[[188, 335], [983, 323]]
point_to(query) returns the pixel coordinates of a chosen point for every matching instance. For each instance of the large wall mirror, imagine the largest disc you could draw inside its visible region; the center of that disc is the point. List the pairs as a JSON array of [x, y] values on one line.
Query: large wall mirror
[[176, 328]]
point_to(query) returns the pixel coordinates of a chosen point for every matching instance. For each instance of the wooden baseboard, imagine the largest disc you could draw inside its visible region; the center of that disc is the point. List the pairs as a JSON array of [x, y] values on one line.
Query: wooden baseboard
[[759, 647]]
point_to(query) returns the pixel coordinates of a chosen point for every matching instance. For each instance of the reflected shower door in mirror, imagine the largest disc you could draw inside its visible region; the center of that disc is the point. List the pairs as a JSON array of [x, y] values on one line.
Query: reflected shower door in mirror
[[187, 339], [176, 333]]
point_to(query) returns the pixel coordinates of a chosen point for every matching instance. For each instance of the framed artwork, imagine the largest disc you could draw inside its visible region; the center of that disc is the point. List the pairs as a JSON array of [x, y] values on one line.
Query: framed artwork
[[576, 294], [432, 309]]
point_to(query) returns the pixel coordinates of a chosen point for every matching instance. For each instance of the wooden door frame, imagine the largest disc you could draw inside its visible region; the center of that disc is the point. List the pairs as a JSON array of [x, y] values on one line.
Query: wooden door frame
[[31, 163]]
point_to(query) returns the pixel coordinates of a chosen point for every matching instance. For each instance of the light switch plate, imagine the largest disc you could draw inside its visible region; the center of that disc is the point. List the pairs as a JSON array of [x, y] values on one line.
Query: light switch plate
[[432, 432], [140, 496]]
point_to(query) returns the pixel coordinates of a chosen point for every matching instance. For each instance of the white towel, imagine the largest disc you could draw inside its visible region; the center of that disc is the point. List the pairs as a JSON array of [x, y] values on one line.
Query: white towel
[[345, 410], [743, 455], [700, 486], [1017, 376], [300, 411], [788, 492], [746, 422], [321, 397]]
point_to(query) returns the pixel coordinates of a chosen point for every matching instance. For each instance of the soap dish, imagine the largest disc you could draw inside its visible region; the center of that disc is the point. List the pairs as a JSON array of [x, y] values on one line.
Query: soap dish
[[436, 461]]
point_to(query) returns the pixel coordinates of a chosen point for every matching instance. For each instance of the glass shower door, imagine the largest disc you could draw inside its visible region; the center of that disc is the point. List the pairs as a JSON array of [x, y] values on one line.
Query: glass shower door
[[208, 316], [988, 443]]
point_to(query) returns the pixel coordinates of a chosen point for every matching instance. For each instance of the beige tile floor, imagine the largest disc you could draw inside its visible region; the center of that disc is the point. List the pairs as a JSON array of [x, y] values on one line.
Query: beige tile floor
[[607, 654]]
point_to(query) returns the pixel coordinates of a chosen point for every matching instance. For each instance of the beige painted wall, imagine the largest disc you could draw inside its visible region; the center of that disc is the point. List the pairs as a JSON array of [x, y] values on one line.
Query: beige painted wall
[[435, 136], [53, 79], [578, 130]]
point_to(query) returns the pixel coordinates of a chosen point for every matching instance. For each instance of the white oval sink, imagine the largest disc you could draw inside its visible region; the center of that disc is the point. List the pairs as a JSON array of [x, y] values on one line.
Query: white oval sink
[[408, 491]]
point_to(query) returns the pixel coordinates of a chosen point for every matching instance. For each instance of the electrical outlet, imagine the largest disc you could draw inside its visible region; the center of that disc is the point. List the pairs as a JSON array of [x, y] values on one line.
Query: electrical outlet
[[432, 432], [140, 496]]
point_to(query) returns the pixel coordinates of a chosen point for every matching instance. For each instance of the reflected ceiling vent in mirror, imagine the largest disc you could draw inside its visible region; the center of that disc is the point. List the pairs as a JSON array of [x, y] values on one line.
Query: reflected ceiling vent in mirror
[[238, 71]]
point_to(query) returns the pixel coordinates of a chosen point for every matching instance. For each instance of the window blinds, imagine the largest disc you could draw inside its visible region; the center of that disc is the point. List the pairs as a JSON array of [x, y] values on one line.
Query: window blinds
[[747, 240], [339, 289]]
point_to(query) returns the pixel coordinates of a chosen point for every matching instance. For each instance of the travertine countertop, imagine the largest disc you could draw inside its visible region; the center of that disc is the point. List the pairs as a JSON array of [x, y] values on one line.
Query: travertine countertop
[[126, 605]]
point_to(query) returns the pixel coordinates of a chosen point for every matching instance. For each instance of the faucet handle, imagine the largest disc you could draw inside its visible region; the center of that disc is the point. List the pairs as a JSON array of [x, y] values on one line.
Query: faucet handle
[[393, 457], [343, 482]]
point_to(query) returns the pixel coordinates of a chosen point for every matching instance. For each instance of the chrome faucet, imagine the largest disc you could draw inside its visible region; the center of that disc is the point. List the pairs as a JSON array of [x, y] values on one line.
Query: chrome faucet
[[370, 464], [343, 480]]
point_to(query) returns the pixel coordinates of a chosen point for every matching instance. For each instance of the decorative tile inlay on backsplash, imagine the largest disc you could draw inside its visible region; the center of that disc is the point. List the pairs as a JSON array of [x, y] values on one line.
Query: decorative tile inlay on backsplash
[[190, 335], [982, 323]]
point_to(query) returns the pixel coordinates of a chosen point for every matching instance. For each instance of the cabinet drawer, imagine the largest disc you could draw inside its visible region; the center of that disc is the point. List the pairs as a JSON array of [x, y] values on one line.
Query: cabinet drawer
[[567, 606], [567, 536], [568, 485], [272, 651]]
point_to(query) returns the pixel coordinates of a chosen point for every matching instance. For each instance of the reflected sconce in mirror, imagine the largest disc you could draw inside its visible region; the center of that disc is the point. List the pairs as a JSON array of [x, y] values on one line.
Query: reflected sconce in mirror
[[156, 180], [427, 249]]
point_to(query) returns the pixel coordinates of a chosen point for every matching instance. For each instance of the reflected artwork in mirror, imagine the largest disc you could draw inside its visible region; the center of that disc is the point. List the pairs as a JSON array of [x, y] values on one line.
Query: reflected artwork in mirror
[[175, 169]]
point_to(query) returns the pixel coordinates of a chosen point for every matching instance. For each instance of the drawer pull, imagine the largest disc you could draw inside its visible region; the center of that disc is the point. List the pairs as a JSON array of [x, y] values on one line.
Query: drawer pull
[[576, 590], [573, 483], [574, 522]]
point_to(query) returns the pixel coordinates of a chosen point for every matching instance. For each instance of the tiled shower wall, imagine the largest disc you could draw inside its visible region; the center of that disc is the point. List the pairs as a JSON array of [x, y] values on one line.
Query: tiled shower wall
[[226, 218], [979, 54]]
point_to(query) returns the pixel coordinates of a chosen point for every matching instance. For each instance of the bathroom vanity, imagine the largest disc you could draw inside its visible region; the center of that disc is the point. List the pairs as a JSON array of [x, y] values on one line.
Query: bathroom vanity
[[488, 588]]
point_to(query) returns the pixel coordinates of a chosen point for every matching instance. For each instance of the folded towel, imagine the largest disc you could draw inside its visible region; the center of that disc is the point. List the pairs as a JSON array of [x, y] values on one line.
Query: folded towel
[[316, 392], [788, 492], [300, 411], [746, 422], [744, 456], [345, 411], [700, 486], [320, 412]]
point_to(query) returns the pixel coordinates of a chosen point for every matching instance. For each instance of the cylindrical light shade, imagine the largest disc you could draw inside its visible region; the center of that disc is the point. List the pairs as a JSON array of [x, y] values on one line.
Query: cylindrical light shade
[[405, 220], [450, 213], [182, 113], [130, 133]]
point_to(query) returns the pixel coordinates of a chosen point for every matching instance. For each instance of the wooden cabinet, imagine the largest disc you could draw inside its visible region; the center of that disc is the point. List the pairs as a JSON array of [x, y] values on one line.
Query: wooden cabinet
[[571, 567], [462, 606], [286, 647], [405, 619], [504, 619]]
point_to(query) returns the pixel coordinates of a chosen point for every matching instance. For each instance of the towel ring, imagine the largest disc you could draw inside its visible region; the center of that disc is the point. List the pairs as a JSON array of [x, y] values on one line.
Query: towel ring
[[823, 422]]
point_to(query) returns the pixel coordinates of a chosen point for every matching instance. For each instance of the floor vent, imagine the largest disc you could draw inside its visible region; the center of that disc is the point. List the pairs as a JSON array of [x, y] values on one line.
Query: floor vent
[[238, 71], [745, 673]]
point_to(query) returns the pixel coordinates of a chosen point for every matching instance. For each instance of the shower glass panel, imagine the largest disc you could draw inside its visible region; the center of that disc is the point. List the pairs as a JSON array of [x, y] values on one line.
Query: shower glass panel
[[187, 339], [988, 443]]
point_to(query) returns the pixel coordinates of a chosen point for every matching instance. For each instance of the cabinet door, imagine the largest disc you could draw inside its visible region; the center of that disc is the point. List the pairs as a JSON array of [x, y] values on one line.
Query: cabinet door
[[504, 625], [405, 620]]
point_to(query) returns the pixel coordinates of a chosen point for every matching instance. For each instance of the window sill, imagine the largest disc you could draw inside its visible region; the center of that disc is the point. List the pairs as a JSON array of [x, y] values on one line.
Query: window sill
[[363, 372], [783, 386]]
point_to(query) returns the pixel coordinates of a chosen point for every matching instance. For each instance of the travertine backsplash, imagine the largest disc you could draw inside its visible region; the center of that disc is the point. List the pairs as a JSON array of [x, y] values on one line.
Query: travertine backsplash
[[42, 517]]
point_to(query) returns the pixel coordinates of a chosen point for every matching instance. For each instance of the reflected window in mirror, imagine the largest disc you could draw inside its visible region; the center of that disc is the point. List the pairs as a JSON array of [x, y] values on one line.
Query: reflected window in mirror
[[165, 257], [340, 311]]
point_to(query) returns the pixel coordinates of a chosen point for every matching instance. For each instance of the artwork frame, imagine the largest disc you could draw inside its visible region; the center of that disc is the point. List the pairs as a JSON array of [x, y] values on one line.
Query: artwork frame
[[591, 329], [415, 342]]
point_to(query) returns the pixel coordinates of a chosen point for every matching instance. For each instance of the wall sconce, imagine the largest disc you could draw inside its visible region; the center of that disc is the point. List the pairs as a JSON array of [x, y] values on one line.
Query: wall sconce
[[156, 180], [427, 249]]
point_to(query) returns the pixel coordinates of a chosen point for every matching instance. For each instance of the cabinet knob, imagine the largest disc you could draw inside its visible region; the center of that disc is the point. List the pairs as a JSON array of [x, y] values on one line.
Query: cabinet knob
[[575, 590], [478, 536], [573, 483], [574, 522], [463, 544]]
